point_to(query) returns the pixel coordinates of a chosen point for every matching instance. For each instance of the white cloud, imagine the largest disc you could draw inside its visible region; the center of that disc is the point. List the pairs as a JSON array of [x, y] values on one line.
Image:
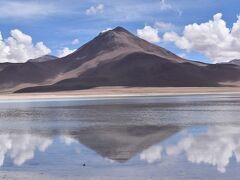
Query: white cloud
[[164, 5], [215, 147], [26, 9], [163, 26], [117, 10], [19, 48], [93, 10], [151, 154], [149, 34], [75, 41], [213, 39], [65, 51]]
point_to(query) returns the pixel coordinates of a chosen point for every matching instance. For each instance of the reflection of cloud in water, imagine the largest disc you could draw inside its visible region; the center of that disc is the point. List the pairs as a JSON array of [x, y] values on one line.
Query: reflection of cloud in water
[[21, 147], [68, 140], [151, 154], [215, 147]]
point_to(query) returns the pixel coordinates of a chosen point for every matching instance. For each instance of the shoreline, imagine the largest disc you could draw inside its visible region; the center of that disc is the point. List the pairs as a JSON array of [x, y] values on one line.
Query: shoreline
[[121, 92]]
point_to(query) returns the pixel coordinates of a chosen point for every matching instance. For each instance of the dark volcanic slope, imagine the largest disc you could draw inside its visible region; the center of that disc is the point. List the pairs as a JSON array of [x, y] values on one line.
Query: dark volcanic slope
[[136, 69], [4, 65], [29, 73], [144, 70], [116, 58]]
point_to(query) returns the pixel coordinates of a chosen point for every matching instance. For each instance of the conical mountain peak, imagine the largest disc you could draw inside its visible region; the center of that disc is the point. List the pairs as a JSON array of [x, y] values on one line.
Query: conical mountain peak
[[120, 29], [119, 42], [117, 32], [117, 29]]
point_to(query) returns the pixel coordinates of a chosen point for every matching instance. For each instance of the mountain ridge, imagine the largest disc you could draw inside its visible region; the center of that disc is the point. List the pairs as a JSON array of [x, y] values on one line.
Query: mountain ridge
[[115, 58], [43, 58], [235, 61]]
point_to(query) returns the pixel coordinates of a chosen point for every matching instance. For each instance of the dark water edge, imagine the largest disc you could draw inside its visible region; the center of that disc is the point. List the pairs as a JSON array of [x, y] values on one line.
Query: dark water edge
[[183, 137]]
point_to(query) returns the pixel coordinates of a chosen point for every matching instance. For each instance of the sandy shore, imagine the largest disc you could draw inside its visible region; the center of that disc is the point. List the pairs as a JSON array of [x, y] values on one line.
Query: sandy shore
[[19, 175], [121, 92]]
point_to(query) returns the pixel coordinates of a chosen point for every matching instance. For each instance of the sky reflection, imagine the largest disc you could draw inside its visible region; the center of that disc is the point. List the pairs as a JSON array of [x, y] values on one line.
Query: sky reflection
[[137, 138], [216, 147], [21, 147], [155, 149], [213, 145]]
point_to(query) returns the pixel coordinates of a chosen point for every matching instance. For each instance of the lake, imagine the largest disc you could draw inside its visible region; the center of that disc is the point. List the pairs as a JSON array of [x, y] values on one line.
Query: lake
[[168, 137]]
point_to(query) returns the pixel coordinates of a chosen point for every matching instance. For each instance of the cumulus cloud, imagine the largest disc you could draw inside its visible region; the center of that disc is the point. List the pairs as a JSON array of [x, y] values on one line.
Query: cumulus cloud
[[75, 41], [215, 147], [65, 51], [93, 10], [213, 39], [19, 48], [151, 154], [164, 5], [149, 34]]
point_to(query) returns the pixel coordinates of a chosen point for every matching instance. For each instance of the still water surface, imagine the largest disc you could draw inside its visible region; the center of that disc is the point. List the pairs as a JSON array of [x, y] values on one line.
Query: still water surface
[[175, 137]]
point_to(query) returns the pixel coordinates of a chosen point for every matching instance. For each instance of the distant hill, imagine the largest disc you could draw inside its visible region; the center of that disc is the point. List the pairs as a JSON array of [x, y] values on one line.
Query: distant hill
[[235, 61], [115, 58], [43, 59]]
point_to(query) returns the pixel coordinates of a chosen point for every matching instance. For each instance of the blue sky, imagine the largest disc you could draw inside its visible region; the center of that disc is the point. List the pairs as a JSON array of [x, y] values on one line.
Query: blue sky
[[58, 22]]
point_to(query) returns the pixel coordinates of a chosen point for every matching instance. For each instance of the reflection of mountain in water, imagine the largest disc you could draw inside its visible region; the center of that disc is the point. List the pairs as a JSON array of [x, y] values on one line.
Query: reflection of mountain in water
[[216, 146], [116, 143], [122, 143]]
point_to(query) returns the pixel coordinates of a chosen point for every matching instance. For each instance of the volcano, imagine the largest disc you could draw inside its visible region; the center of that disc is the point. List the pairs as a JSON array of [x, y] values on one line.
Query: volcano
[[115, 58]]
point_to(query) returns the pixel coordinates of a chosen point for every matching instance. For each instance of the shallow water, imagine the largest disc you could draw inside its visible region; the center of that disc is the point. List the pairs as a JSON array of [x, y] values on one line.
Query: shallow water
[[175, 137]]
